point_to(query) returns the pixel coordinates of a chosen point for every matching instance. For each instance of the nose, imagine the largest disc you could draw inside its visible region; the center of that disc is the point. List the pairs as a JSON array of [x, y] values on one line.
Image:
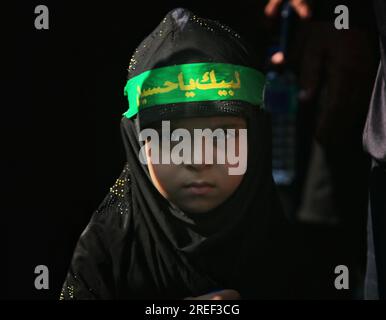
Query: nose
[[198, 167], [200, 157]]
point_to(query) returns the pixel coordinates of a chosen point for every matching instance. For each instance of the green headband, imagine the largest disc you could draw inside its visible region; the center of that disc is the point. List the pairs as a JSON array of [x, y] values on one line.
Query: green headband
[[193, 82]]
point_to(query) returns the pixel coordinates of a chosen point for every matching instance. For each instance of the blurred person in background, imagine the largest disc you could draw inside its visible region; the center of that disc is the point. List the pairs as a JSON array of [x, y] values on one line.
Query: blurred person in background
[[374, 140], [336, 70]]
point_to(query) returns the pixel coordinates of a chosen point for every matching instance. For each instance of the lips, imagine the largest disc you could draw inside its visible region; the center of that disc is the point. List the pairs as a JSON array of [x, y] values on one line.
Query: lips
[[199, 187]]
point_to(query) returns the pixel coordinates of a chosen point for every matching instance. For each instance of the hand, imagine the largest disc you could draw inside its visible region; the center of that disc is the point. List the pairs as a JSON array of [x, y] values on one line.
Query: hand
[[272, 7], [278, 58], [227, 294], [301, 7]]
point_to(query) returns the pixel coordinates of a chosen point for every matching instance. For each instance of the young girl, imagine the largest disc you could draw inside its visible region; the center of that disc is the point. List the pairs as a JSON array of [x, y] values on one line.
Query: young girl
[[176, 231]]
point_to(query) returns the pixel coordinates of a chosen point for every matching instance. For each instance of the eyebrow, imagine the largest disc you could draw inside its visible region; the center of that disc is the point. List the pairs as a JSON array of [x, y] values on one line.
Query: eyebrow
[[231, 125], [228, 125]]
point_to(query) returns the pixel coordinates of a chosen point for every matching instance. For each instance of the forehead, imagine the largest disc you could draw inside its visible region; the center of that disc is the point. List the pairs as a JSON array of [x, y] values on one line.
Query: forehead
[[209, 122]]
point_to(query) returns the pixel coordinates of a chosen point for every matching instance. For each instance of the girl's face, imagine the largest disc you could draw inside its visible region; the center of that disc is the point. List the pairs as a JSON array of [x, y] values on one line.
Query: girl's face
[[198, 188]]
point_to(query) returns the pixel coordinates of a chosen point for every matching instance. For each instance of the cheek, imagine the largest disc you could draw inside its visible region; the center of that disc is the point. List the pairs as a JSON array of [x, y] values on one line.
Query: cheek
[[231, 182], [236, 157], [228, 183], [160, 175], [163, 172]]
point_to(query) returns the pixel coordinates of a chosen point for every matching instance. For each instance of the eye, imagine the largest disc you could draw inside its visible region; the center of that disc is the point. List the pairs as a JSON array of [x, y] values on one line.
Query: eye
[[174, 136], [227, 134], [232, 133]]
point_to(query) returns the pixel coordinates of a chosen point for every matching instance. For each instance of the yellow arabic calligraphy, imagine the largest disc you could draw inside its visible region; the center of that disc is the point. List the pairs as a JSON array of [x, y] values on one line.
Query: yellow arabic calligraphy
[[193, 84], [169, 87], [206, 86]]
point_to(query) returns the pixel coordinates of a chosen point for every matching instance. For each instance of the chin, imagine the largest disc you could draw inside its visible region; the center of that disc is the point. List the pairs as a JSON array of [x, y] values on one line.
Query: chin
[[198, 209]]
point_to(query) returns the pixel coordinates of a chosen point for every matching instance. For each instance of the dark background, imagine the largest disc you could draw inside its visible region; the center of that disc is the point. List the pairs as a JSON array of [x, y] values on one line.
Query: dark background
[[61, 109]]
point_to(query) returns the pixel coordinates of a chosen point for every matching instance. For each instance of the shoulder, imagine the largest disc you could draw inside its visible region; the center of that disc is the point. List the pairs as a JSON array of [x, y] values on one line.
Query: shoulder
[[116, 209]]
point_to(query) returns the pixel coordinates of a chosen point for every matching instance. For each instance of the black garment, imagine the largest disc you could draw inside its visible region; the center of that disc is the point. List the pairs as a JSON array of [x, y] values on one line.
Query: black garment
[[374, 140], [375, 284], [138, 245]]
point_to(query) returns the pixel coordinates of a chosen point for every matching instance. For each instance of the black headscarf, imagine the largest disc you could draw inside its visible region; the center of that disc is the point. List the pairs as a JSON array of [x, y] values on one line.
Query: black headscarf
[[139, 245]]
